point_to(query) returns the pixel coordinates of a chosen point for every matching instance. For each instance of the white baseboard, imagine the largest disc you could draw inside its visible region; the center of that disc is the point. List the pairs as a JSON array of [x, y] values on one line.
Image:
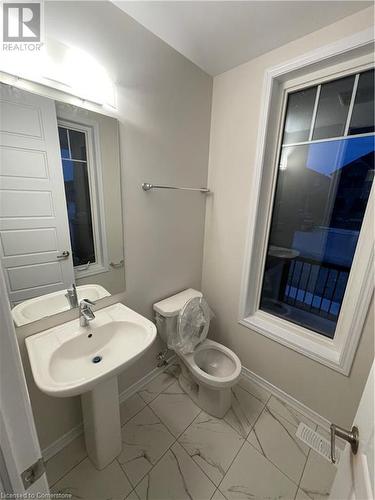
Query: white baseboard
[[286, 398], [71, 435], [54, 448], [67, 438]]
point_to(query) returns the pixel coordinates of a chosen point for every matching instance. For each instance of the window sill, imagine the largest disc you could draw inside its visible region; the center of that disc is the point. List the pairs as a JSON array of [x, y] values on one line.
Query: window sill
[[306, 342], [82, 272]]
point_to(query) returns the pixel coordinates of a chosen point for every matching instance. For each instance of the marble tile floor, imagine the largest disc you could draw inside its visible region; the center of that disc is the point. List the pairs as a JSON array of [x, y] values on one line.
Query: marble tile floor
[[174, 451]]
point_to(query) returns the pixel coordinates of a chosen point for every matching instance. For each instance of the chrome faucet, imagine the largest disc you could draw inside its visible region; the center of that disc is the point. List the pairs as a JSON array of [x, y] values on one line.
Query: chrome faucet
[[71, 295], [85, 312]]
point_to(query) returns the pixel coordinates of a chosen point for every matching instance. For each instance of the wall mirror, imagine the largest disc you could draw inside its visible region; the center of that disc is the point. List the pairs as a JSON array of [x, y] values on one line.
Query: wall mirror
[[61, 229]]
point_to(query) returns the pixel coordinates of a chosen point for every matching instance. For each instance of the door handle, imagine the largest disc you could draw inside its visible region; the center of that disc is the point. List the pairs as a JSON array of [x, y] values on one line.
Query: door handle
[[352, 437], [64, 255]]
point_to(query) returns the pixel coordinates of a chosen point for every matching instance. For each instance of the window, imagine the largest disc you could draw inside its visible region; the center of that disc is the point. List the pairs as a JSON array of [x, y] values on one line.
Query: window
[[308, 268], [322, 189], [79, 172]]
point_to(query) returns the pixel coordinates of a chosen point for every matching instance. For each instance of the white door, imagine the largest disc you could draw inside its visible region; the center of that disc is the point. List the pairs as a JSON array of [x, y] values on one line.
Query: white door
[[34, 229], [19, 446], [355, 476]]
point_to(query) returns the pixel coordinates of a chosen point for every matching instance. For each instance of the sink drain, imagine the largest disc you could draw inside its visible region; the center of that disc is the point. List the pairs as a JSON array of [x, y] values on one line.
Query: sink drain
[[96, 359]]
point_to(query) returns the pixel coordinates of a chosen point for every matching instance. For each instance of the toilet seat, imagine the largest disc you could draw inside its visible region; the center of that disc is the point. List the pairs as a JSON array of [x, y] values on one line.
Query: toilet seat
[[192, 325], [213, 364]]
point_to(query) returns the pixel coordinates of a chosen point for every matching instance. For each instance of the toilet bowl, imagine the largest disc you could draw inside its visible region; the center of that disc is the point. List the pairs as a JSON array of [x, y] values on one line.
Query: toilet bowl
[[208, 370], [208, 374]]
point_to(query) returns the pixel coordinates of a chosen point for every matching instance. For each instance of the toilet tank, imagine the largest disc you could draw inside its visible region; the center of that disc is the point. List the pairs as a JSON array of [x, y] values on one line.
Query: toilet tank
[[167, 311]]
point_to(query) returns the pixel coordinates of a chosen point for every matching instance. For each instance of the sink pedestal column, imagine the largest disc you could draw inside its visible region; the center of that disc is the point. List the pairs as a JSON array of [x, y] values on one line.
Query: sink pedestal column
[[101, 421]]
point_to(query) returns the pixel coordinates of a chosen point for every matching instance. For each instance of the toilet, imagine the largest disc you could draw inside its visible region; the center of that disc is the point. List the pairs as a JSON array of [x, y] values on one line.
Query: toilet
[[208, 369]]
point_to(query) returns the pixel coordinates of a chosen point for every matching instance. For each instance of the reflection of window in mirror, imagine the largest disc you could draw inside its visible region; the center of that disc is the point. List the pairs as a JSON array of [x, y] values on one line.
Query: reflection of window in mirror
[[81, 170], [75, 143], [90, 164]]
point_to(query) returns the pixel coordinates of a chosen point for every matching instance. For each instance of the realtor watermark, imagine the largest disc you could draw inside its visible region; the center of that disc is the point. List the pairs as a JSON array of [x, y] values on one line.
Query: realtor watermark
[[22, 26]]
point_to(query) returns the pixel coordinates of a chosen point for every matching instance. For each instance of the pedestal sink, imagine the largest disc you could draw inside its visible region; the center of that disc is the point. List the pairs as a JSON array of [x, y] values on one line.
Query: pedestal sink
[[70, 359]]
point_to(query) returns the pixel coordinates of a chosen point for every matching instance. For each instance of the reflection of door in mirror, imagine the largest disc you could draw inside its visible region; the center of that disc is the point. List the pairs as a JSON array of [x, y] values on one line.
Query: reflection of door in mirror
[[60, 203], [34, 229]]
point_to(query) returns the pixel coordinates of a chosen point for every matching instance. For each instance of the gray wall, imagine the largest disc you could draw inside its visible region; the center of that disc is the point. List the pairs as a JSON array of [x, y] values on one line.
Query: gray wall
[[235, 114], [164, 105]]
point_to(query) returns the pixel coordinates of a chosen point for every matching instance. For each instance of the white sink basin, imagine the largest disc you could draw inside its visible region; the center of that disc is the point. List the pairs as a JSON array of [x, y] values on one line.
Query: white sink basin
[[71, 359], [62, 358], [52, 303]]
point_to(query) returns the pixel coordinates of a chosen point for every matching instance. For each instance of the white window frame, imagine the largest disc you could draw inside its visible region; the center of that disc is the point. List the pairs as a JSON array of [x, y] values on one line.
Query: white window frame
[[350, 55], [94, 169]]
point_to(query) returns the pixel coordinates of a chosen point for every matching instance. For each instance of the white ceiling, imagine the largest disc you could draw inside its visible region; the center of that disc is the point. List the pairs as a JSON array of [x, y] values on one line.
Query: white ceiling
[[218, 36]]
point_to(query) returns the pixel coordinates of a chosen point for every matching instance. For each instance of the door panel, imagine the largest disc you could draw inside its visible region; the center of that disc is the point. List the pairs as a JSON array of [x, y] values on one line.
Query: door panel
[[13, 161], [15, 204], [28, 241], [33, 217], [13, 108]]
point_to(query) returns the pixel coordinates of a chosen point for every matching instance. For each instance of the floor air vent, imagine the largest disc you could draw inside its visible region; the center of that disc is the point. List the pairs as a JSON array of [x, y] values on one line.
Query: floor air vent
[[316, 442]]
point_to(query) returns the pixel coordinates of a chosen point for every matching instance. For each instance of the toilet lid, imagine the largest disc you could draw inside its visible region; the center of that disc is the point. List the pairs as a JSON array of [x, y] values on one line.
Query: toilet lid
[[192, 324]]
